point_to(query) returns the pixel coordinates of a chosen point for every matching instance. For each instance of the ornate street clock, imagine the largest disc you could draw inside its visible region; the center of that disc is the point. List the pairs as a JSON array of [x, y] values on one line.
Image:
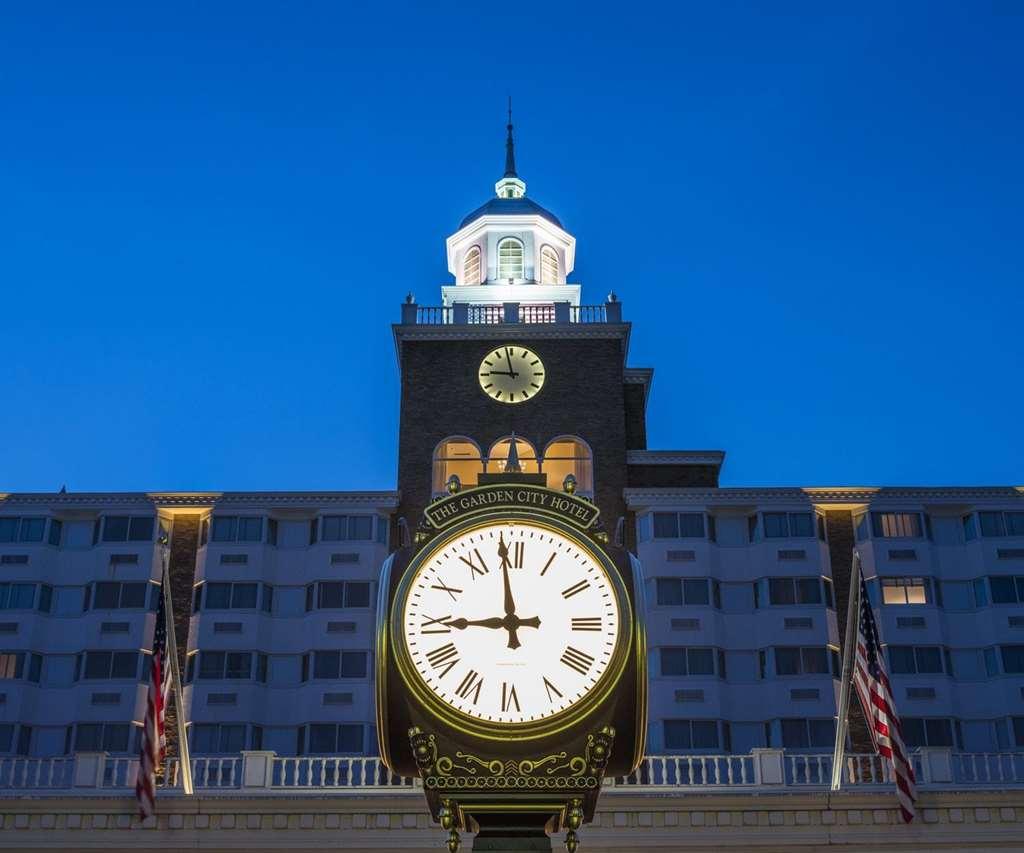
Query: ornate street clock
[[511, 663]]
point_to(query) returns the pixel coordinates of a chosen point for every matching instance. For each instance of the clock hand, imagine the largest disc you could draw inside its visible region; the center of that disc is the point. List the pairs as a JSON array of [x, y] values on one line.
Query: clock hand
[[462, 624], [508, 358], [510, 605]]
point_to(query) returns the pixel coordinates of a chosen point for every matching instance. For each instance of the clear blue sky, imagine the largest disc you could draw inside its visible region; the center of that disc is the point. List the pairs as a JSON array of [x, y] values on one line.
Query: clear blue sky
[[210, 212]]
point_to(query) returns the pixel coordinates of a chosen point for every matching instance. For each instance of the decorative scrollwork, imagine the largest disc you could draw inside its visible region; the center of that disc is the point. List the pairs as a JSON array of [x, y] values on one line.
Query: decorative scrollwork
[[424, 749], [599, 750]]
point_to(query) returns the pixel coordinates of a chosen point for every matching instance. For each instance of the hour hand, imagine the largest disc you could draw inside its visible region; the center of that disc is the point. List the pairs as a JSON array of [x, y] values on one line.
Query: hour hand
[[462, 624]]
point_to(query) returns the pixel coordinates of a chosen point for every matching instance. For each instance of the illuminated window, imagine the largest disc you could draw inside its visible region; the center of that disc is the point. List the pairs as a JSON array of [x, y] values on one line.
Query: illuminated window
[[548, 266], [904, 590], [565, 456], [510, 259], [498, 457], [459, 456], [471, 267]]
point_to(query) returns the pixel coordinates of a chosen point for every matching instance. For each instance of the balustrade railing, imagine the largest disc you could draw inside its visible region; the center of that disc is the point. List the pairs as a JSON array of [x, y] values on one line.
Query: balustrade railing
[[511, 312], [760, 770]]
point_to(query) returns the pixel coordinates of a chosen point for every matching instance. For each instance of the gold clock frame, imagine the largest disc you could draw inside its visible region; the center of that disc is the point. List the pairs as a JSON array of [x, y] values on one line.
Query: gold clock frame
[[389, 634]]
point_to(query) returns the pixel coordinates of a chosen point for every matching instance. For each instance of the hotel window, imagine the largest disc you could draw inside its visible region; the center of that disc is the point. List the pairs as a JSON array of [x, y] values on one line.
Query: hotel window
[[905, 590], [334, 595], [569, 455], [1013, 659], [548, 266], [7, 743], [1001, 523], [1018, 731], [114, 595], [677, 661], [497, 458], [459, 456], [510, 259], [689, 591], [12, 666], [1006, 589], [918, 660], [17, 596], [970, 527], [921, 731], [896, 525], [100, 665], [678, 525], [225, 596], [220, 738], [346, 528], [22, 529], [794, 590], [788, 525], [103, 737], [237, 528], [471, 267], [807, 734], [220, 665], [696, 734], [124, 528], [810, 660], [335, 739], [334, 664]]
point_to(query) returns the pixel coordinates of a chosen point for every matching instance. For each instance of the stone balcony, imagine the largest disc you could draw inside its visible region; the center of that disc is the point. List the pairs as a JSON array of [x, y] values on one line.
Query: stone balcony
[[511, 313]]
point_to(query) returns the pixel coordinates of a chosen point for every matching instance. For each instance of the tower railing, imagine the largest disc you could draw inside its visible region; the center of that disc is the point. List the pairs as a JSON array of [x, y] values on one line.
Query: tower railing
[[510, 313]]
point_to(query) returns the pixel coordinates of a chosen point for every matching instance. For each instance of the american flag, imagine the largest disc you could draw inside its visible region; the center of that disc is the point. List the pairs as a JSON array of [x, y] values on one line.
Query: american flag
[[872, 684], [154, 740]]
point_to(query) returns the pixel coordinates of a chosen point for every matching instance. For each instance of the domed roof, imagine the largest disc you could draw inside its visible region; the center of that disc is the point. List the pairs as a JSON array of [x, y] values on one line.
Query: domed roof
[[510, 207]]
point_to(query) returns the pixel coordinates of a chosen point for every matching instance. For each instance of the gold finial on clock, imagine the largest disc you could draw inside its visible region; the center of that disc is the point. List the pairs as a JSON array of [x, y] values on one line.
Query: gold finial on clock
[[569, 484], [454, 484]]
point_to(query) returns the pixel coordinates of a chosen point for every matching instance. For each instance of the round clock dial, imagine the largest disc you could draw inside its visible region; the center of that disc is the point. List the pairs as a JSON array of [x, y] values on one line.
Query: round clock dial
[[511, 374], [511, 622]]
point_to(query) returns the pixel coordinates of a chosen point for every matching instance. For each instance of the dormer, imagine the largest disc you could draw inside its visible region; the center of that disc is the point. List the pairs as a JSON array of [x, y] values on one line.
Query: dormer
[[511, 248]]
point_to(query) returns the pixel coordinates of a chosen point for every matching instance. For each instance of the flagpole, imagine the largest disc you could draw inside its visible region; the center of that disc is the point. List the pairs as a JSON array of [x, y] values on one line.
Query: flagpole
[[843, 711], [184, 759]]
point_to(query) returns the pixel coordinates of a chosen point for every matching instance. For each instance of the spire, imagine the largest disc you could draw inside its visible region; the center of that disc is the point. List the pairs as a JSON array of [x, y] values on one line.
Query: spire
[[510, 185], [512, 465], [510, 147]]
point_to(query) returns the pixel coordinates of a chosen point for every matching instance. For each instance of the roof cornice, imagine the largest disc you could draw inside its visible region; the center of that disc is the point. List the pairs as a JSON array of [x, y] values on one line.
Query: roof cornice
[[198, 500], [675, 457], [877, 496]]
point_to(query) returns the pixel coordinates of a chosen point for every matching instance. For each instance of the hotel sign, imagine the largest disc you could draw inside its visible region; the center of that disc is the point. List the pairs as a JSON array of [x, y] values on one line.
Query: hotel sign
[[486, 499]]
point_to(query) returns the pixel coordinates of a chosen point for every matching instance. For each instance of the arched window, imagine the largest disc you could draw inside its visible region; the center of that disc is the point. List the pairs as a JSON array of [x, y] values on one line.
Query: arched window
[[510, 259], [471, 267], [456, 455], [498, 457], [548, 266], [569, 455]]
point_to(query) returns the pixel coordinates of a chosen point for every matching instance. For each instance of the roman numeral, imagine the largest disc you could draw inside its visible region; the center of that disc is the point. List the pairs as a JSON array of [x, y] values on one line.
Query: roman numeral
[[575, 659], [551, 689], [587, 623], [508, 697], [547, 565], [441, 629], [451, 590], [575, 589], [517, 554], [470, 684], [473, 569], [445, 656]]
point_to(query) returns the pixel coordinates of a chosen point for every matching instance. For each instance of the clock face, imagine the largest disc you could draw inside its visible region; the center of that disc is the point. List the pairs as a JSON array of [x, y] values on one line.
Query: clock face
[[511, 622], [511, 374]]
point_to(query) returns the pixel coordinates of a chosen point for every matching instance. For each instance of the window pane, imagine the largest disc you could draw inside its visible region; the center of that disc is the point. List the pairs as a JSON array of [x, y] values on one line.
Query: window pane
[[357, 594], [353, 664], [670, 591], [780, 591], [250, 529], [822, 732], [32, 529], [705, 734], [701, 662], [775, 526], [801, 524], [243, 595], [938, 732], [11, 664], [901, 659], [916, 591], [141, 529], [350, 738], [232, 738], [224, 528], [334, 528], [115, 737], [673, 661], [1018, 731], [787, 661], [666, 525], [815, 661], [326, 664], [6, 736], [1004, 590], [360, 527], [125, 665], [239, 665], [696, 591], [913, 731], [204, 738], [991, 524], [8, 529], [97, 664], [115, 528], [677, 734], [133, 594], [322, 738], [691, 525], [1013, 659], [331, 594], [808, 591], [794, 734], [218, 596], [929, 659], [88, 737], [211, 664], [1014, 523]]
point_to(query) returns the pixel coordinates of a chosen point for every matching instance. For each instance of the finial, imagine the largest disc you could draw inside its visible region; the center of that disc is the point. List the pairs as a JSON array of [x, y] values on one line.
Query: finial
[[569, 484], [453, 484], [510, 148], [512, 465]]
